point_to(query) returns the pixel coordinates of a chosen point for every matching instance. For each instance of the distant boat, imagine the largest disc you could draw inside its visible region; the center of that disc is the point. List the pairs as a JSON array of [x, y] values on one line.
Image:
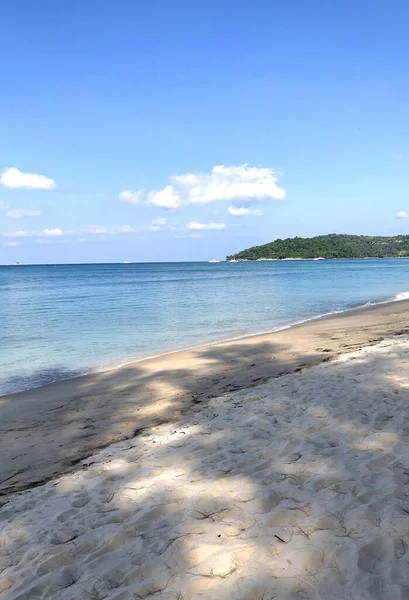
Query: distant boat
[[127, 262], [233, 260], [16, 264], [214, 260]]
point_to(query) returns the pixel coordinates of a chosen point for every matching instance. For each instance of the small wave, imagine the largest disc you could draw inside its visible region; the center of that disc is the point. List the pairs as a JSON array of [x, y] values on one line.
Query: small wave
[[402, 296], [396, 298], [361, 305]]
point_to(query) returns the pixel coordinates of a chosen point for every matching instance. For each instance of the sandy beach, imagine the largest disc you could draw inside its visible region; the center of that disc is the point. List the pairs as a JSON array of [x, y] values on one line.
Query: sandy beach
[[49, 430], [270, 467]]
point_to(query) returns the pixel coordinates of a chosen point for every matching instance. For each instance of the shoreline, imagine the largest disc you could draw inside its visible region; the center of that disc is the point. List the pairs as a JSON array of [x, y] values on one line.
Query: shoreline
[[130, 360], [49, 430]]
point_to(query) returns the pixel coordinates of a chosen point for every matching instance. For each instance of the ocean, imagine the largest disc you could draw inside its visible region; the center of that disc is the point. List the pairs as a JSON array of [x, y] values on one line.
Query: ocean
[[58, 321]]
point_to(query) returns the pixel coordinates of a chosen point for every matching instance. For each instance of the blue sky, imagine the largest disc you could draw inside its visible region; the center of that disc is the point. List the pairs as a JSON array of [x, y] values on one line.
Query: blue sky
[[304, 104]]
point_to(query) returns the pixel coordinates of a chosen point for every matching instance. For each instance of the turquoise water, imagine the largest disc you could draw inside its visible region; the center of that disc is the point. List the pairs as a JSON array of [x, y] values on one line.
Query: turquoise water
[[60, 321]]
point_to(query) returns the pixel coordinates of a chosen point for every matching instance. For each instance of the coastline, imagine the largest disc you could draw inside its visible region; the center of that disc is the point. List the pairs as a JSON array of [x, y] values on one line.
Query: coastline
[[130, 360], [313, 259], [49, 430]]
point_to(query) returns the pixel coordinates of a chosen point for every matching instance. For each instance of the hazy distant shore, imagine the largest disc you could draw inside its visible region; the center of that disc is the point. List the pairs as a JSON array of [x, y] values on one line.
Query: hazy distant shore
[[314, 259], [331, 247]]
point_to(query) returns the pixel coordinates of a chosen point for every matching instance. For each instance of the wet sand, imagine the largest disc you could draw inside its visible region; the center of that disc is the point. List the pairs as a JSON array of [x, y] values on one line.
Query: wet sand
[[48, 431]]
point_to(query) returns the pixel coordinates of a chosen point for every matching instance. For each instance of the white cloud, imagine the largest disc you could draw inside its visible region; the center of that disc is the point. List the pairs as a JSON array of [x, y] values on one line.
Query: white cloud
[[223, 183], [18, 234], [13, 178], [57, 232], [241, 211], [52, 232], [156, 224], [191, 235], [96, 230], [228, 183], [166, 198], [102, 230], [27, 234], [43, 233], [131, 197], [19, 213], [401, 214], [161, 221], [59, 240], [197, 225], [13, 244]]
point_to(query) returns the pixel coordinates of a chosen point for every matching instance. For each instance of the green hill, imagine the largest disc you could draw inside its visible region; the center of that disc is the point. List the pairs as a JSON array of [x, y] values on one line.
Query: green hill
[[329, 246]]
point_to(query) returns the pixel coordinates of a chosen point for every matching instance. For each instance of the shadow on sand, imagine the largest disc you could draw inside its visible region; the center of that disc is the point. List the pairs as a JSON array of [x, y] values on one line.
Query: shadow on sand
[[238, 484], [48, 430]]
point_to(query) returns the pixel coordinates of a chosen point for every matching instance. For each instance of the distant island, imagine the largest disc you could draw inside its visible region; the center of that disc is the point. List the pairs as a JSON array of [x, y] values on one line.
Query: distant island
[[330, 246]]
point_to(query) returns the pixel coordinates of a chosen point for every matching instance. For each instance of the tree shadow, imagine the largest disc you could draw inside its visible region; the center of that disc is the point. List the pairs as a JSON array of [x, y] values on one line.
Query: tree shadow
[[297, 487], [48, 430]]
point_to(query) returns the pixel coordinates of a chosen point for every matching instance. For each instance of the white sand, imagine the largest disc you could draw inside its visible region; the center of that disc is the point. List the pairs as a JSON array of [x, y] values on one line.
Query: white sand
[[298, 488]]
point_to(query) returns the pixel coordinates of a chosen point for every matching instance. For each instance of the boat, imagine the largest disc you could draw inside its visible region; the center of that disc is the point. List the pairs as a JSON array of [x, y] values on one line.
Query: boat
[[233, 260], [126, 262], [214, 260]]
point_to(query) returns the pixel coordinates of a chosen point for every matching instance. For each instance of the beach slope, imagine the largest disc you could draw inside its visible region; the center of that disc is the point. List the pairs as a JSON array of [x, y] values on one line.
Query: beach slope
[[294, 488], [49, 430]]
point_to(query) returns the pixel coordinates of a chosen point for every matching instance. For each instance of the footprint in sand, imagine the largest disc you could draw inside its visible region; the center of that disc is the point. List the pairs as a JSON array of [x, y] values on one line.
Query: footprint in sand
[[399, 548], [67, 515], [371, 555], [81, 501], [53, 564], [344, 487], [66, 534]]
